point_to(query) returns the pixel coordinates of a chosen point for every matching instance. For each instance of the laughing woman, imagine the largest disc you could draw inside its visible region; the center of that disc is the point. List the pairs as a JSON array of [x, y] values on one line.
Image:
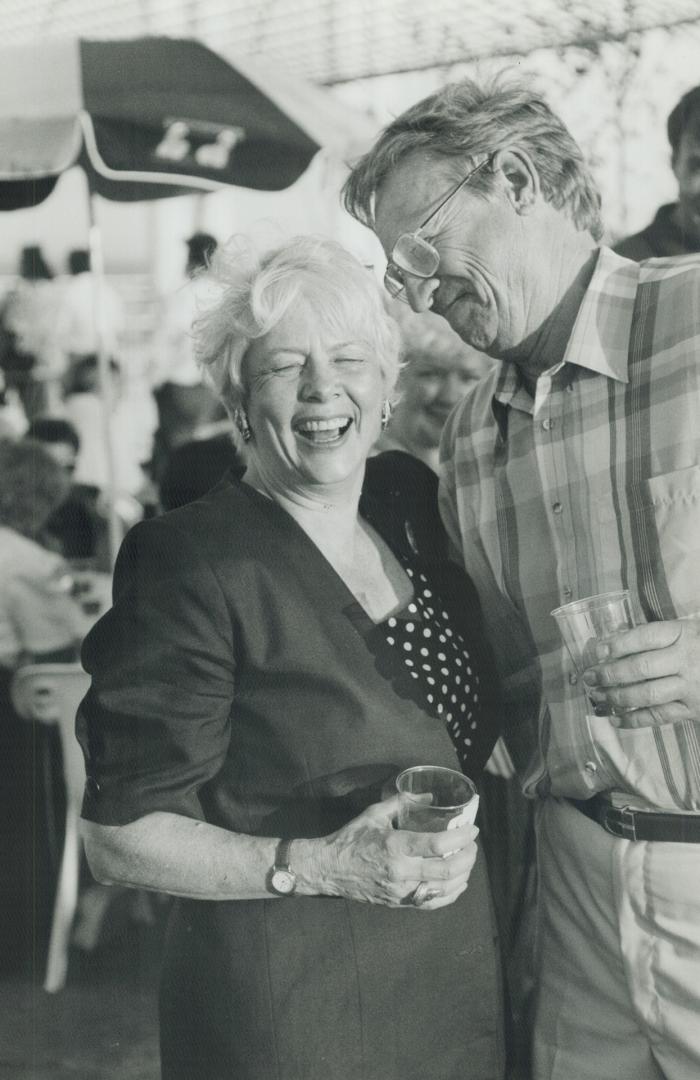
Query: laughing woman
[[277, 652]]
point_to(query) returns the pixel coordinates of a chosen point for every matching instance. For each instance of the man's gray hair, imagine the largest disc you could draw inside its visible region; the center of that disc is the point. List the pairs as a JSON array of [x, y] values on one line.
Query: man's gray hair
[[467, 120]]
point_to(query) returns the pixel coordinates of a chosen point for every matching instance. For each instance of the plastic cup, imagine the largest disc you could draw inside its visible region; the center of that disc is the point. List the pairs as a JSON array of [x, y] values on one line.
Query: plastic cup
[[583, 623], [453, 799]]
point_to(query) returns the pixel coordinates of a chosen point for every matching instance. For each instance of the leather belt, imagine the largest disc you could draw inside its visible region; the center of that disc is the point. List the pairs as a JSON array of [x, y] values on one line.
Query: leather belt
[[628, 824]]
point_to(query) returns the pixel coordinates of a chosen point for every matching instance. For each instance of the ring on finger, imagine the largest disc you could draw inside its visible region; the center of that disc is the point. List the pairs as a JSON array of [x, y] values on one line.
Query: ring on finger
[[419, 894], [422, 894]]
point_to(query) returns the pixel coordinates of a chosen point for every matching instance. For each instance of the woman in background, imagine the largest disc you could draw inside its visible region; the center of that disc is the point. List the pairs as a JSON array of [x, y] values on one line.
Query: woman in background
[[438, 370], [40, 621]]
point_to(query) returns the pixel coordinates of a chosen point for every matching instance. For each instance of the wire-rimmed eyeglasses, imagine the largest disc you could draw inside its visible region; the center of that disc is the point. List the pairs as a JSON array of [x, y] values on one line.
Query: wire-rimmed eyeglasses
[[412, 254]]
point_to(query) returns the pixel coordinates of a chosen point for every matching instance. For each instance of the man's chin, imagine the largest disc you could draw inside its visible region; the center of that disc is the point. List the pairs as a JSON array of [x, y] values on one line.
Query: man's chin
[[692, 239], [689, 223], [471, 319], [472, 331]]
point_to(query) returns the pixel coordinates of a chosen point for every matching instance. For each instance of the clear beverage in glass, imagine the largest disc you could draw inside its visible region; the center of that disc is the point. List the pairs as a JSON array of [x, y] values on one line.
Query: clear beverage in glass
[[583, 623], [453, 800]]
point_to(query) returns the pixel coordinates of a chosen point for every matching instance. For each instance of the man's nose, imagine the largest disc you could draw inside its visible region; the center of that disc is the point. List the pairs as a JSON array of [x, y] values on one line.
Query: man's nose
[[420, 291]]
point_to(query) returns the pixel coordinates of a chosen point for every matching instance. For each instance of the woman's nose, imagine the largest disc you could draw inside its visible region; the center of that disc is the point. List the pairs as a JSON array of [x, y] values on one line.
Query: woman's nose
[[319, 381], [453, 389], [420, 291]]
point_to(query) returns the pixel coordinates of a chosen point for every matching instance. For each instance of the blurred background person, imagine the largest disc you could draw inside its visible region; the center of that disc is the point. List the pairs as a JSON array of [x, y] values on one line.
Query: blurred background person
[[77, 528], [194, 467], [438, 370], [40, 621], [84, 407], [13, 419], [676, 228], [186, 404], [91, 312], [30, 356]]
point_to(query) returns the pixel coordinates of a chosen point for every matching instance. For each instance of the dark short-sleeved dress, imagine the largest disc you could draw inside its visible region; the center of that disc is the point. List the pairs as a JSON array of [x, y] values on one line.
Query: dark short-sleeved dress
[[237, 680]]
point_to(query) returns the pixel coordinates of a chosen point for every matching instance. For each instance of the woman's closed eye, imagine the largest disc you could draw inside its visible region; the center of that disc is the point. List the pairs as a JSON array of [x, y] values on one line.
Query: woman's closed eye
[[288, 365], [350, 359]]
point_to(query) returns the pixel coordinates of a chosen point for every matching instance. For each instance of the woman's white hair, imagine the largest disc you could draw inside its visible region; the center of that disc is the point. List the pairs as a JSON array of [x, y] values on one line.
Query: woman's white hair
[[252, 288]]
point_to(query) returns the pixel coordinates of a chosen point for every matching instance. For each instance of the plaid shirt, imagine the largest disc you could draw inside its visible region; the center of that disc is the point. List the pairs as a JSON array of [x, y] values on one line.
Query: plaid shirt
[[593, 485]]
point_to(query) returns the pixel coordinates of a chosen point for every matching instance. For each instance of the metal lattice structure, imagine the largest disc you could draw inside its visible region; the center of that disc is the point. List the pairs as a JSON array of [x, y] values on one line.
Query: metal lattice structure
[[612, 68], [339, 41]]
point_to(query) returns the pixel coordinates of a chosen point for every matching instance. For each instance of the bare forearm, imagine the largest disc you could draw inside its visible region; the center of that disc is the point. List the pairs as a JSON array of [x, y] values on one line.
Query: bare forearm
[[367, 859], [177, 855]]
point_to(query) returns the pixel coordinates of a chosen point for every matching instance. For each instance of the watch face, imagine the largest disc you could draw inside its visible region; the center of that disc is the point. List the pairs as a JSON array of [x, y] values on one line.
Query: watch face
[[283, 881]]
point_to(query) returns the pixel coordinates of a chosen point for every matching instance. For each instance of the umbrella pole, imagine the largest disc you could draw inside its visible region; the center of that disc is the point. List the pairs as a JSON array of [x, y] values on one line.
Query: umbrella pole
[[104, 380]]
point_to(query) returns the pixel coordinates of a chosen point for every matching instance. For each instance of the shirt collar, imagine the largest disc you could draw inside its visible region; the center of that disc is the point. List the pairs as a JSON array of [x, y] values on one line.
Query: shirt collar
[[600, 337]]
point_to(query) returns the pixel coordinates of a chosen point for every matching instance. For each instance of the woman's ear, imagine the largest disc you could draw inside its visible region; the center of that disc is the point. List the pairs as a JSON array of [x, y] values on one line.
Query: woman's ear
[[521, 179]]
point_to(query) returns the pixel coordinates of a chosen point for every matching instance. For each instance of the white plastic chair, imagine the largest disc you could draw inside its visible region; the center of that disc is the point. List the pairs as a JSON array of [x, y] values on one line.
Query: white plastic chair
[[50, 694]]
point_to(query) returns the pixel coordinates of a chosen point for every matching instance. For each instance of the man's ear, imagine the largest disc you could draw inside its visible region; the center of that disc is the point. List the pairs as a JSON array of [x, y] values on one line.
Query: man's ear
[[674, 163], [521, 179]]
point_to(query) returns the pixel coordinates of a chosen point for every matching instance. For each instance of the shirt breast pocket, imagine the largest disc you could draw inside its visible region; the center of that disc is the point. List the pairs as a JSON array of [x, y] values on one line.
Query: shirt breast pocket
[[675, 499], [664, 542]]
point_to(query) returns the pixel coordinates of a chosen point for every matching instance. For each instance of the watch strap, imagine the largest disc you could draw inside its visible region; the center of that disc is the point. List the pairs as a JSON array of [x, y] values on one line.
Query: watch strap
[[282, 855]]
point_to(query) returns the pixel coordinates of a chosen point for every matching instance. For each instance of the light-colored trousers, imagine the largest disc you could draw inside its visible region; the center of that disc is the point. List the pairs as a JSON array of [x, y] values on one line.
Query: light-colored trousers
[[618, 954]]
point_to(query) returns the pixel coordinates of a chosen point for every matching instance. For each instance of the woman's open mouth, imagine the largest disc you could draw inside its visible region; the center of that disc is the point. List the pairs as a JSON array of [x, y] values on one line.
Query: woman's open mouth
[[438, 413], [327, 432]]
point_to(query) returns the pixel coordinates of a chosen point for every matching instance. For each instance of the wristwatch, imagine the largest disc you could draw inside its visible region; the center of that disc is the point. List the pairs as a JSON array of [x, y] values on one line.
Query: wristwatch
[[281, 879]]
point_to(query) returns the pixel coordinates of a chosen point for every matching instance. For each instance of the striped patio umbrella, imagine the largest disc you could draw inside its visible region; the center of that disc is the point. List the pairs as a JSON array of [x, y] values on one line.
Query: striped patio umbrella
[[156, 116], [151, 117]]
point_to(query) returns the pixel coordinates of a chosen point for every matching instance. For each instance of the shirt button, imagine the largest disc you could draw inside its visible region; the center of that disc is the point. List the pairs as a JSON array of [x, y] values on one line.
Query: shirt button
[[557, 507], [591, 767], [547, 424], [566, 592], [573, 678]]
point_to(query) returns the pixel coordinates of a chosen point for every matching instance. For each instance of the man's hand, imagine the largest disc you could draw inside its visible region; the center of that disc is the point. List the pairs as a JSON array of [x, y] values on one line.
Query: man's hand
[[649, 675]]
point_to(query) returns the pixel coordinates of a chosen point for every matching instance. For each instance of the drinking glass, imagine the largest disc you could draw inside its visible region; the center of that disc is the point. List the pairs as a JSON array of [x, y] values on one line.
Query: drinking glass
[[453, 799], [583, 623]]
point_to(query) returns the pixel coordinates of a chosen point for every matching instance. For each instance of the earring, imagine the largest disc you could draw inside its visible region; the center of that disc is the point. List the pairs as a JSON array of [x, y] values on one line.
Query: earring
[[386, 413], [240, 419]]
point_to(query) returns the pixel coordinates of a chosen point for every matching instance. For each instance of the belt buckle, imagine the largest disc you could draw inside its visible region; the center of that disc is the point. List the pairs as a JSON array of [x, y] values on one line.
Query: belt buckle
[[619, 821]]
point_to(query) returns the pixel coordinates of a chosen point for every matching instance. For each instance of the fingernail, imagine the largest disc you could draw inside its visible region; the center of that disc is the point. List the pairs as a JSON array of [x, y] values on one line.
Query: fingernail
[[602, 651], [590, 677]]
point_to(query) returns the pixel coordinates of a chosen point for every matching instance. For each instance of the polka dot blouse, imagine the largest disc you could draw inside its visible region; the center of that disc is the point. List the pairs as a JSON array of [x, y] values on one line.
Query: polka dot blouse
[[436, 657]]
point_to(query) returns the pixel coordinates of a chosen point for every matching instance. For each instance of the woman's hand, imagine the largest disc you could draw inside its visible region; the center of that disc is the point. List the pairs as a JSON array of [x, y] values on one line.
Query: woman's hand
[[369, 860]]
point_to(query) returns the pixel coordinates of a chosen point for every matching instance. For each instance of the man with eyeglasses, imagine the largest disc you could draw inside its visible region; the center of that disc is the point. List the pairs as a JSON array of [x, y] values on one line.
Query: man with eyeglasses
[[572, 469]]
